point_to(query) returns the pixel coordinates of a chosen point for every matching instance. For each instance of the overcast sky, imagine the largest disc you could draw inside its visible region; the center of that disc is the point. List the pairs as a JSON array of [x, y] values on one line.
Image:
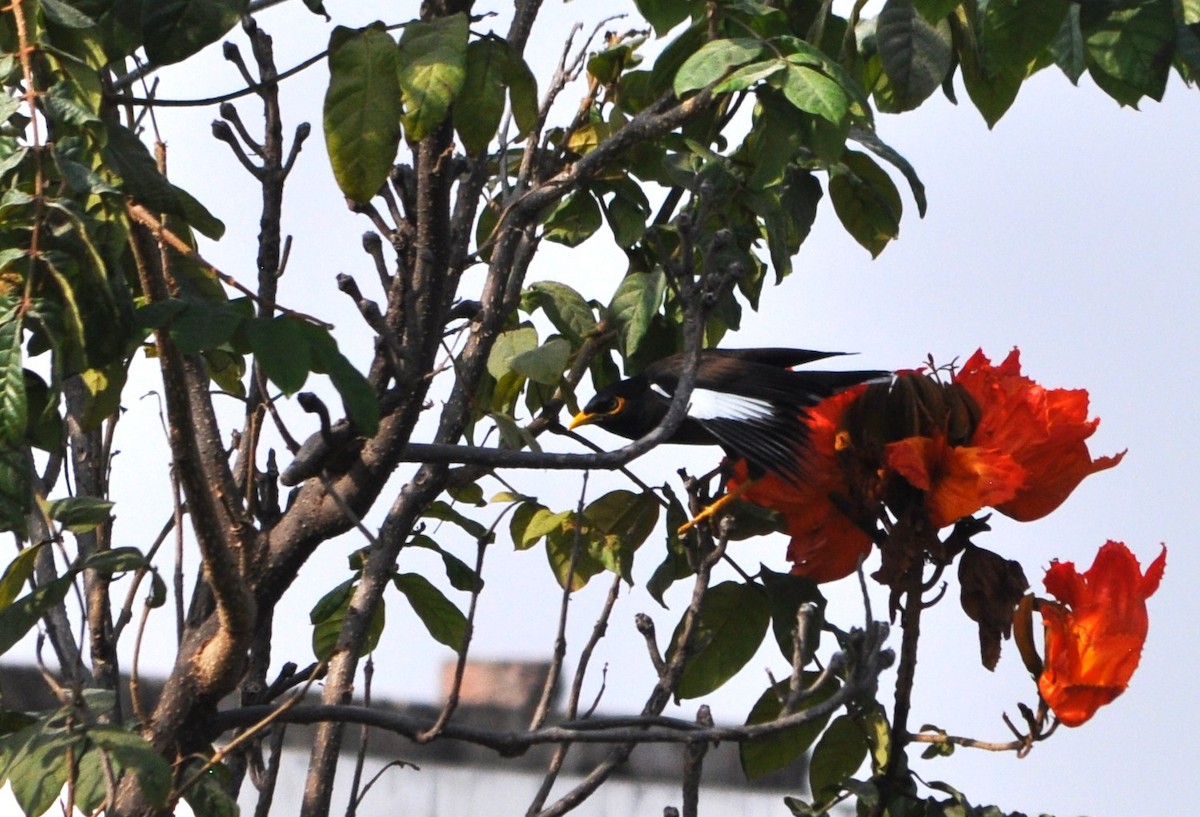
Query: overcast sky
[[1068, 231]]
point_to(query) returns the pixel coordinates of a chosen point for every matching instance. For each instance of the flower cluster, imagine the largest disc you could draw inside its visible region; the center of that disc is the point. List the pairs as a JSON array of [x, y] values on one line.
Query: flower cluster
[[939, 451], [893, 464]]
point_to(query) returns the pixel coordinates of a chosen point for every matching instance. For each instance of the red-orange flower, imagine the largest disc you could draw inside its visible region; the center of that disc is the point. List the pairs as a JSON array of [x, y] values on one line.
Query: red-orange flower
[[1043, 430], [826, 543], [957, 480], [1094, 636]]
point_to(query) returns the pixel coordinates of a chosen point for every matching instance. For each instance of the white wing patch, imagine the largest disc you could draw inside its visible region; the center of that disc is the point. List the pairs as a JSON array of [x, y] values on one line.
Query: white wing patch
[[715, 405]]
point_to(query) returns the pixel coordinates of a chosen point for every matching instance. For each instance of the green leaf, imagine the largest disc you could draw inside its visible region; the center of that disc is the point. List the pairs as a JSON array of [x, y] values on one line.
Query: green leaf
[[522, 93], [470, 493], [278, 345], [546, 363], [634, 305], [444, 621], [91, 785], [103, 399], [362, 109], [774, 141], [676, 565], [749, 75], [16, 574], [936, 749], [543, 522], [508, 346], [934, 10], [80, 514], [329, 614], [130, 753], [569, 538], [11, 722], [531, 521], [461, 576], [519, 522], [778, 749], [157, 596], [513, 435], [992, 92], [210, 796], [1067, 47], [15, 494], [19, 617], [197, 215], [79, 178], [785, 593], [873, 143], [358, 396], [480, 103], [566, 309], [125, 154], [13, 407], [916, 56], [173, 30], [329, 603], [574, 220], [117, 560], [813, 92], [1129, 48], [800, 808], [431, 68], [879, 737], [627, 217], [620, 522], [446, 513], [866, 201], [226, 370], [66, 15], [317, 7], [730, 629], [45, 427], [39, 771], [713, 60], [836, 757], [202, 326], [664, 15], [1013, 32]]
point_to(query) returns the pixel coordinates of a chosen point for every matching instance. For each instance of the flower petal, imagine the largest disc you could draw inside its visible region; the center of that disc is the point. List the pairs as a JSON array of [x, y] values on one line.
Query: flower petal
[[957, 480], [1094, 637], [1044, 430]]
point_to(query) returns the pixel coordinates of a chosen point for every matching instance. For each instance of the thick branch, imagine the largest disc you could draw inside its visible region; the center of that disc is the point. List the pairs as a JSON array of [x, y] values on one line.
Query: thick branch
[[211, 661]]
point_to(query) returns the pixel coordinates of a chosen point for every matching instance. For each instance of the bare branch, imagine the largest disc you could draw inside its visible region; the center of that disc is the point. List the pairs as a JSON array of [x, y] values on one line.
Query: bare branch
[[615, 730]]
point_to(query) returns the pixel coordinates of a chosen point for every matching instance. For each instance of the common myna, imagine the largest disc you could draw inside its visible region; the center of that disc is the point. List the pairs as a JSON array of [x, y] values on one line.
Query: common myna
[[748, 401]]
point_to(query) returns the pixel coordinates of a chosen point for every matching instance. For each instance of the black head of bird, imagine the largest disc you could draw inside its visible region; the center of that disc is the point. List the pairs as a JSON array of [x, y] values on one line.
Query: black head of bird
[[748, 401]]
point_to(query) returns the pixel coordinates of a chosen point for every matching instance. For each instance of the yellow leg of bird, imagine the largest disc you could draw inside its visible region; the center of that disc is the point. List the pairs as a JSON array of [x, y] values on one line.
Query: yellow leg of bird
[[715, 508]]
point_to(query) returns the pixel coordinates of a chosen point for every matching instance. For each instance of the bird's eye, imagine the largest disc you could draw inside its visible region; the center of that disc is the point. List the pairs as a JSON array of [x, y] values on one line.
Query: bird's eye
[[612, 405]]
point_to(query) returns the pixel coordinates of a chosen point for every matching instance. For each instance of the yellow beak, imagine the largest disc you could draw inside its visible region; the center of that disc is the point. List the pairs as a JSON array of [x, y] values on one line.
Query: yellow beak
[[580, 419]]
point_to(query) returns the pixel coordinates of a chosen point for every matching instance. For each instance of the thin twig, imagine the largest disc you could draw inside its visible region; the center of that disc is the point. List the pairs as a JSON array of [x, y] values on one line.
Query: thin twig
[[560, 637], [617, 730], [364, 735], [460, 665], [693, 766], [144, 217]]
